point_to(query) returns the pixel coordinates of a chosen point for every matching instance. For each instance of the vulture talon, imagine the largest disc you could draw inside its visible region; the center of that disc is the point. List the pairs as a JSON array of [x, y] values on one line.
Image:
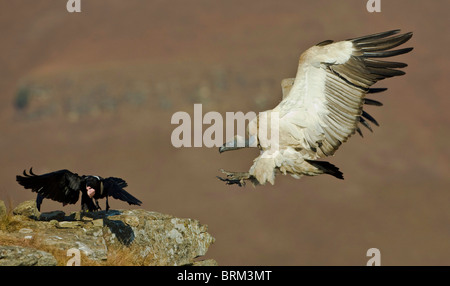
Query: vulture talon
[[233, 178]]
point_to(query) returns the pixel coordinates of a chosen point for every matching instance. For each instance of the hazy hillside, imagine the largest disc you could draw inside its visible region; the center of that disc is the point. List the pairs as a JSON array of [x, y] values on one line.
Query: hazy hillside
[[94, 92]]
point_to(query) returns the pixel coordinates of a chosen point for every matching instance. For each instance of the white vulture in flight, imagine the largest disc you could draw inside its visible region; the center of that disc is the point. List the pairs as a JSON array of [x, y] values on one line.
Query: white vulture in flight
[[320, 109]]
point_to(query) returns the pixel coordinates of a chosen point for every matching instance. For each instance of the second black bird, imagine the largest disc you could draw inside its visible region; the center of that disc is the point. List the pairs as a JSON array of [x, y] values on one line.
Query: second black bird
[[65, 187]]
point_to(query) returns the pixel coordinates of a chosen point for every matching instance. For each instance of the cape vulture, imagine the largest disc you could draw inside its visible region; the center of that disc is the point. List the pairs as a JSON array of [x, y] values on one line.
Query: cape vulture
[[65, 187], [321, 108]]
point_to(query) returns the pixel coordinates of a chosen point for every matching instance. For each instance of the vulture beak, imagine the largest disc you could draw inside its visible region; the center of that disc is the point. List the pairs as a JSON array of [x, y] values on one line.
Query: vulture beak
[[90, 191], [238, 142]]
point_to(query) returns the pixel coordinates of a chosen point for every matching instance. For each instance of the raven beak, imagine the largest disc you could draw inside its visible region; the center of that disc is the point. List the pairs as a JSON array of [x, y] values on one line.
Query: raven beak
[[90, 191]]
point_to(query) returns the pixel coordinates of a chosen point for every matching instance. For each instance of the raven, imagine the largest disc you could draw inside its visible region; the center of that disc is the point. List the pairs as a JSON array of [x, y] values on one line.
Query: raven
[[65, 187]]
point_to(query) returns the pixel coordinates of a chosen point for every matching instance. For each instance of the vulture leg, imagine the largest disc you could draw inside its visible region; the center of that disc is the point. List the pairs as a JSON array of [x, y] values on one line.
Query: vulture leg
[[238, 178]]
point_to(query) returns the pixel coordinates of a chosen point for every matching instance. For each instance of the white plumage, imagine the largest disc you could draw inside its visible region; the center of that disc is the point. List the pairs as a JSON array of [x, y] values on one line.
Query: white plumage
[[321, 107]]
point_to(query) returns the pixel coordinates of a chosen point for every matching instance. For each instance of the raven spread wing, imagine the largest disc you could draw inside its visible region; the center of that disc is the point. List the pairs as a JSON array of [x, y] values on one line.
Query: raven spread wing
[[114, 187], [62, 186]]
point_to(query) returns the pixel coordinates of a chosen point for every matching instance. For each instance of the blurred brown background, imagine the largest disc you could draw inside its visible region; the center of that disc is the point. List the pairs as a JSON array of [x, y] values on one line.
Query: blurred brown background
[[94, 92]]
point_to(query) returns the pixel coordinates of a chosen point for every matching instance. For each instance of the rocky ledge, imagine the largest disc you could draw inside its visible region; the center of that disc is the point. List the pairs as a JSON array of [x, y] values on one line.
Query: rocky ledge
[[152, 238]]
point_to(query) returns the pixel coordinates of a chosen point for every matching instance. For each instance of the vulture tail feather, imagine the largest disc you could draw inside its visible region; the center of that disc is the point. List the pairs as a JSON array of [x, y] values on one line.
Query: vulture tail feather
[[368, 101], [327, 168], [376, 90]]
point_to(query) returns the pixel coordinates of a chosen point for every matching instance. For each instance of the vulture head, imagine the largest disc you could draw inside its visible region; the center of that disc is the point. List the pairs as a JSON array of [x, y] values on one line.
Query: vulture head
[[239, 142], [261, 131]]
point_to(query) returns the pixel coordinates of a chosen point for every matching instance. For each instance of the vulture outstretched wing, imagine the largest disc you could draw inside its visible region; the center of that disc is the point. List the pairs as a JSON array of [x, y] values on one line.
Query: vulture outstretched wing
[[325, 102], [62, 186], [321, 107], [114, 187]]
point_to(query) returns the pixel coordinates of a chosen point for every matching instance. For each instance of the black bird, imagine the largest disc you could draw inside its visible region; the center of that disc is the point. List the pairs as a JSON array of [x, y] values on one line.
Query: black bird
[[65, 187]]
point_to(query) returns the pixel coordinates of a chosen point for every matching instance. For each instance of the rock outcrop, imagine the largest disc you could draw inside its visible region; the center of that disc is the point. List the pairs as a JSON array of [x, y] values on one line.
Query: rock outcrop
[[25, 256], [153, 238], [3, 211]]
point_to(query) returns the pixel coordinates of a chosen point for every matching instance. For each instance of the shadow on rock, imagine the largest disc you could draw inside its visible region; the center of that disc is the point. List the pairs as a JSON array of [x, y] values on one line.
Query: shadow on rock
[[123, 232]]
